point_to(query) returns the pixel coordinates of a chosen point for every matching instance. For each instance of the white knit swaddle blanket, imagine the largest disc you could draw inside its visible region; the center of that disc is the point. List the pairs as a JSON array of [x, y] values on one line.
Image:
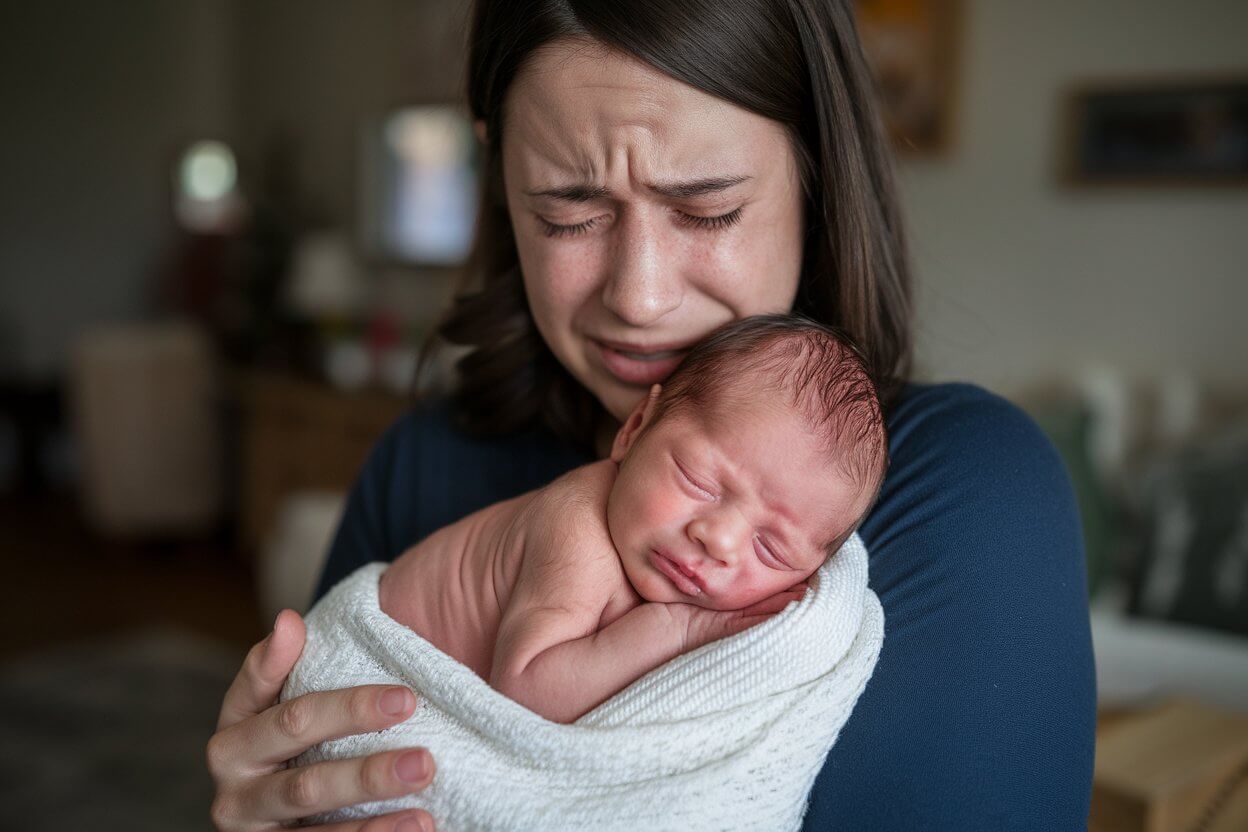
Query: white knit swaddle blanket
[[728, 736]]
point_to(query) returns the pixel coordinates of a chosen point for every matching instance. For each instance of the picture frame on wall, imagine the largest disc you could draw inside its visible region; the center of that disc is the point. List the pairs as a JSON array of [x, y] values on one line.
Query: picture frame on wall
[[911, 46], [1169, 132], [418, 186]]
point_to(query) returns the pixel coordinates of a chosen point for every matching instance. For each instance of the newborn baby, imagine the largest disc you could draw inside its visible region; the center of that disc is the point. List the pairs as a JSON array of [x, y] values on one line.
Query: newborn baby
[[560, 643], [725, 490]]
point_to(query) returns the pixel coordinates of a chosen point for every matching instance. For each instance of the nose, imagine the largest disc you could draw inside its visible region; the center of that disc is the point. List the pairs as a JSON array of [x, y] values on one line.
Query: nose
[[644, 282], [722, 533]]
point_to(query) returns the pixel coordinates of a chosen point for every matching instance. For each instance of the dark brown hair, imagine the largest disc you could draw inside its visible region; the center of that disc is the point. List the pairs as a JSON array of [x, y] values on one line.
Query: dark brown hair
[[797, 62], [803, 364]]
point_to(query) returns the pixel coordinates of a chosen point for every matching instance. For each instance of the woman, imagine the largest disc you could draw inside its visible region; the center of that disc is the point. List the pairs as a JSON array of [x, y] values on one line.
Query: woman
[[653, 170]]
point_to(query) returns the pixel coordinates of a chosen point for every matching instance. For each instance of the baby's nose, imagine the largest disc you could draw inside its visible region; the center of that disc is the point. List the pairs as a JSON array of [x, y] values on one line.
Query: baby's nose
[[720, 534]]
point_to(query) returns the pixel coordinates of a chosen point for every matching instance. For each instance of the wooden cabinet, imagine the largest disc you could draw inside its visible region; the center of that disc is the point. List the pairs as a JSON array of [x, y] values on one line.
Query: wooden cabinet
[[300, 435], [1181, 766]]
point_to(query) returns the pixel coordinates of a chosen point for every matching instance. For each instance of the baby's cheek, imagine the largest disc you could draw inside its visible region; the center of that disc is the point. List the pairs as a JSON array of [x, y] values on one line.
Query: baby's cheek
[[749, 589], [645, 509]]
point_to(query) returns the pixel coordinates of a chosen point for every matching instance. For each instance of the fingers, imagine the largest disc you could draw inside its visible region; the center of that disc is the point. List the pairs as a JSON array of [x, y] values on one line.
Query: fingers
[[417, 821], [308, 790], [287, 730], [264, 671]]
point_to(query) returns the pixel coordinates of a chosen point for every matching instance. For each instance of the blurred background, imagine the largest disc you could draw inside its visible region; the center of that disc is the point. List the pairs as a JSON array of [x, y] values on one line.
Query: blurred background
[[226, 225]]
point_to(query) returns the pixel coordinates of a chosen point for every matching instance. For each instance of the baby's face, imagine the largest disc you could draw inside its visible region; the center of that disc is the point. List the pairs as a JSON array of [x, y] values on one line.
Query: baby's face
[[725, 510]]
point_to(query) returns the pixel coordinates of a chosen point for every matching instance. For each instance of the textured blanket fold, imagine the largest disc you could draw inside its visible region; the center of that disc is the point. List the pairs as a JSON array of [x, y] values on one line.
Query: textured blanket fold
[[728, 736]]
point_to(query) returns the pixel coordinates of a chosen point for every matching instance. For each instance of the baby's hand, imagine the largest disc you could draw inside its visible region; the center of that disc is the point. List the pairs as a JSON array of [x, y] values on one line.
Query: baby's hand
[[702, 626]]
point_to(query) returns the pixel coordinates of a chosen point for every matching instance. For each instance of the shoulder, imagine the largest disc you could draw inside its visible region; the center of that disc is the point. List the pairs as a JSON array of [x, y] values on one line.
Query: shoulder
[[943, 421], [977, 499], [960, 447], [567, 523], [432, 473], [425, 473], [981, 712], [581, 492]]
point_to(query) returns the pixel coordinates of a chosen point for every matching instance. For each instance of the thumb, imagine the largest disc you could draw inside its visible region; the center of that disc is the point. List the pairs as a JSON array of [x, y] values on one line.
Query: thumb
[[264, 671]]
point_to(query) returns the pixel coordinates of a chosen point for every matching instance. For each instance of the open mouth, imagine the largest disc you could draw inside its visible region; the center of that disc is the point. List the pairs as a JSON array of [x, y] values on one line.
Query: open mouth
[[640, 368]]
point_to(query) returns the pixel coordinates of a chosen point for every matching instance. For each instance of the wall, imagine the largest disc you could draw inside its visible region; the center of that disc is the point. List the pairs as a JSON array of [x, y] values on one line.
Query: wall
[[1020, 278], [1024, 279], [314, 73], [98, 98]]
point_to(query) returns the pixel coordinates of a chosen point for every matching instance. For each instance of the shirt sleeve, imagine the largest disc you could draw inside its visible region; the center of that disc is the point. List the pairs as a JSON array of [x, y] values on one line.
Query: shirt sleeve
[[981, 711]]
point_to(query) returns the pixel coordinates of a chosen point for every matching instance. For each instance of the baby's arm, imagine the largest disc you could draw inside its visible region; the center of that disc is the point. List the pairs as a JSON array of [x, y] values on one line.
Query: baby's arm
[[550, 655], [545, 661], [566, 679], [574, 632]]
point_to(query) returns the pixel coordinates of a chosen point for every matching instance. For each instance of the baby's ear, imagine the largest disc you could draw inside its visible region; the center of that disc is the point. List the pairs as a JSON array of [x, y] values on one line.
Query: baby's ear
[[627, 435]]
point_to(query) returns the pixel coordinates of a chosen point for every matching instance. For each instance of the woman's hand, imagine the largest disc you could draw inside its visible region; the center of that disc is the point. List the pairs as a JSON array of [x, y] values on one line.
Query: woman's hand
[[702, 626], [256, 736]]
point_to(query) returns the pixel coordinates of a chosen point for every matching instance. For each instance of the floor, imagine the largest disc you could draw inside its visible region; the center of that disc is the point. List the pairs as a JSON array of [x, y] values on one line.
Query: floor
[[113, 664], [66, 584]]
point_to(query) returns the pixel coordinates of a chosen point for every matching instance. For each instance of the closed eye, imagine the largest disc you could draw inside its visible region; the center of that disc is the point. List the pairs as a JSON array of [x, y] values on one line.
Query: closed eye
[[765, 555], [697, 486], [710, 223], [716, 223], [551, 229]]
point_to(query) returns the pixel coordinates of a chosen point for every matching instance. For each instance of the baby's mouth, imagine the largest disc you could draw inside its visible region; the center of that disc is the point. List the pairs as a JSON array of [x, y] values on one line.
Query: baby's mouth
[[686, 582]]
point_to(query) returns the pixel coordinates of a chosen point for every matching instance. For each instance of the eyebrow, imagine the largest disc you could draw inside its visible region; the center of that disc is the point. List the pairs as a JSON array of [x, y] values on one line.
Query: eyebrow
[[671, 190]]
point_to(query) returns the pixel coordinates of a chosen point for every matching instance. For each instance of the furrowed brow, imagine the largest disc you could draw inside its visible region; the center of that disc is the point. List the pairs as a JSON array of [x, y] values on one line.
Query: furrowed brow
[[671, 190], [572, 193]]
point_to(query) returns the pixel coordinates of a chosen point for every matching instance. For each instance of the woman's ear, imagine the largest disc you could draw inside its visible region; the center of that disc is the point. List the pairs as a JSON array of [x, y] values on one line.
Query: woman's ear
[[478, 127], [636, 422]]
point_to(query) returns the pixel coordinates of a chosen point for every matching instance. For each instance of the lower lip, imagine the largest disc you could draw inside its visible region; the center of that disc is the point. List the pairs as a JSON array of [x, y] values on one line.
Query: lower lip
[[636, 371], [683, 582]]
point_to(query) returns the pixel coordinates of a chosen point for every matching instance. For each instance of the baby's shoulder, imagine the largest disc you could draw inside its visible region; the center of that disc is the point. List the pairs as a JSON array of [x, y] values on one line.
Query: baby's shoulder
[[574, 506], [566, 537], [589, 483]]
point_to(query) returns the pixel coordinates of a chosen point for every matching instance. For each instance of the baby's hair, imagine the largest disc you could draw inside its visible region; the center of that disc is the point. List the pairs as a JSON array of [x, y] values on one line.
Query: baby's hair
[[817, 367]]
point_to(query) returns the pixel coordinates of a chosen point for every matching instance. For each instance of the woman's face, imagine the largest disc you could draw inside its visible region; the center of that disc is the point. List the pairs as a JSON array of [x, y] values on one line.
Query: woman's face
[[646, 213]]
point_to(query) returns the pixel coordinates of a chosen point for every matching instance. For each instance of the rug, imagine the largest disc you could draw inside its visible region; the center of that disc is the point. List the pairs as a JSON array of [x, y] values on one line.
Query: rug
[[109, 734]]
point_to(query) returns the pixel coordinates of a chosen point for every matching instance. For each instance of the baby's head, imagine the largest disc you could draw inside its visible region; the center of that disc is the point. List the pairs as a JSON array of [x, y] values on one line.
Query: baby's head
[[749, 468]]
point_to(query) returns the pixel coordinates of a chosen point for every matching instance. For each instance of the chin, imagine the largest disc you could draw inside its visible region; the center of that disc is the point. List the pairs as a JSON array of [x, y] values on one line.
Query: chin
[[618, 399], [658, 591]]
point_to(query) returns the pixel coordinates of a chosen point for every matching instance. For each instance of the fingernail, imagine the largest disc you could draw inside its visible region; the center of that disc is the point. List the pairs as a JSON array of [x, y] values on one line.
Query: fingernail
[[394, 701], [268, 640], [412, 767], [416, 824]]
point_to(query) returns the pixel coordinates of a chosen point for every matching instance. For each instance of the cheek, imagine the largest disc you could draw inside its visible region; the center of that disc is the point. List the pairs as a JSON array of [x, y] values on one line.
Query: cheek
[[560, 276], [757, 271], [557, 294], [759, 583], [750, 586], [647, 507]]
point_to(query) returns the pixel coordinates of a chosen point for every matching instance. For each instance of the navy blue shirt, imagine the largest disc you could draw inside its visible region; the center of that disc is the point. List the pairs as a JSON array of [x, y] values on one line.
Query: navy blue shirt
[[981, 712]]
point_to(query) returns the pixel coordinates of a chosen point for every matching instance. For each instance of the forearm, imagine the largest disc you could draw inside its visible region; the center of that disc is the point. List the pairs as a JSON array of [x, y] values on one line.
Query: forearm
[[567, 680]]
